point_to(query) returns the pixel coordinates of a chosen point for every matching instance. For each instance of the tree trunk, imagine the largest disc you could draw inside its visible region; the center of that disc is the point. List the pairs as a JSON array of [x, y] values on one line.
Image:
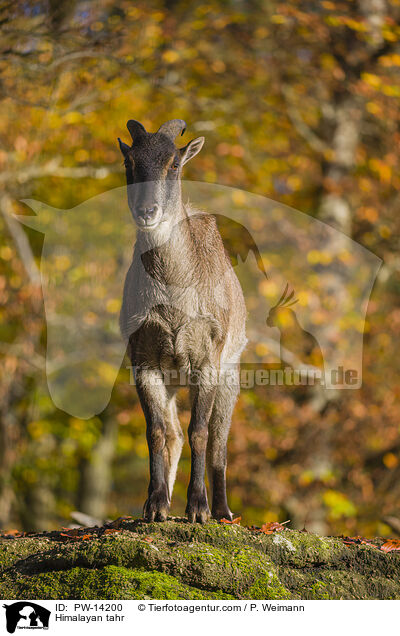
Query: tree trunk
[[96, 477]]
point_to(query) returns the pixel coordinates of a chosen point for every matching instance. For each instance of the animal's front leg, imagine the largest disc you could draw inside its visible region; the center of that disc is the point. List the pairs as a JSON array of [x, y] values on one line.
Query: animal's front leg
[[154, 400], [202, 402]]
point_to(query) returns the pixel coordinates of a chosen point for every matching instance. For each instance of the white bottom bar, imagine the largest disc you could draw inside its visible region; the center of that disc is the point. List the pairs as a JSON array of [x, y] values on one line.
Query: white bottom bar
[[215, 617]]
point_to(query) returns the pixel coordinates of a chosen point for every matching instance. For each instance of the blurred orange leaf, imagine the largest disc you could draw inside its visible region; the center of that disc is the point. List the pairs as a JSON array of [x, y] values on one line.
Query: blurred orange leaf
[[272, 526], [111, 530], [69, 536], [12, 533], [391, 545], [357, 540], [237, 520]]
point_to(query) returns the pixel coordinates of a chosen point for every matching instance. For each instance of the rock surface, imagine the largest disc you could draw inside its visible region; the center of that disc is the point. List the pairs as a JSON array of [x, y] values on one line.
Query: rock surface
[[179, 560]]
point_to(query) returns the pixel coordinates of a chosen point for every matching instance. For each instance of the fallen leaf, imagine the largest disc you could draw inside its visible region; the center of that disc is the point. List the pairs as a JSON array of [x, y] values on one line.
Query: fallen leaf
[[391, 545], [111, 530], [69, 537], [237, 520], [272, 526], [358, 541], [12, 533], [371, 545]]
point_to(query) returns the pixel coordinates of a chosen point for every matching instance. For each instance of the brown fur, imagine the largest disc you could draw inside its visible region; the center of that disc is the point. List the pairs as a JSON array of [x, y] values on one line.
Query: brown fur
[[183, 311]]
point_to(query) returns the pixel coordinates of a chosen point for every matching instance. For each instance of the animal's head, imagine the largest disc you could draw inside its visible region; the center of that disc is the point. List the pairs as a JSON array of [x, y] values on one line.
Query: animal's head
[[276, 315], [153, 165]]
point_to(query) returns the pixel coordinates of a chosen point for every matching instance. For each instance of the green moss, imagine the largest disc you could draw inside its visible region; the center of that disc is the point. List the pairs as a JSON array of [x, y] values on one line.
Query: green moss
[[268, 587], [110, 582], [319, 591], [124, 550], [199, 564], [12, 550], [191, 561], [338, 584], [217, 534], [302, 549], [346, 585], [212, 568]]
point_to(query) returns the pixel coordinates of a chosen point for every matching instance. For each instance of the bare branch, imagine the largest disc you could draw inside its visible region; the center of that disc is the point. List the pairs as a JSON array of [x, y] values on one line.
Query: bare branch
[[393, 523], [18, 350], [315, 143], [54, 169], [20, 240], [24, 102]]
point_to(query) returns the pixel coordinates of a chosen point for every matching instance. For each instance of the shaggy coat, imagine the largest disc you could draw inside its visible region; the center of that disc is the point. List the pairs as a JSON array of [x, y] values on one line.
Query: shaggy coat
[[183, 316]]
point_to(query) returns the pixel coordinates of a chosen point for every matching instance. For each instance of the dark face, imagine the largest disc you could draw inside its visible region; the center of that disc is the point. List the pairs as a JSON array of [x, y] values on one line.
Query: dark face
[[152, 173], [153, 168]]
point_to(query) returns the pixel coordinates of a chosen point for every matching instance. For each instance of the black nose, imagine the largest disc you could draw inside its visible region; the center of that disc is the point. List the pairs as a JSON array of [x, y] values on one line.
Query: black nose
[[147, 214]]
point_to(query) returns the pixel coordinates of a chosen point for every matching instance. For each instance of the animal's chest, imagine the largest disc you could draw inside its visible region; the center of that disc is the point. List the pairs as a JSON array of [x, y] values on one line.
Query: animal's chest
[[176, 304], [170, 340]]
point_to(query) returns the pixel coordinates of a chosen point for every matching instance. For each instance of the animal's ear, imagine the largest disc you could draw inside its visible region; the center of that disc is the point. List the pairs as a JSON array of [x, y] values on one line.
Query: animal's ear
[[123, 147], [191, 149], [135, 128]]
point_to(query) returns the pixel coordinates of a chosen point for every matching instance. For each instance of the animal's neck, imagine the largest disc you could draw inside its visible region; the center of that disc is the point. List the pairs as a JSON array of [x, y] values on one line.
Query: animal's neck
[[167, 251]]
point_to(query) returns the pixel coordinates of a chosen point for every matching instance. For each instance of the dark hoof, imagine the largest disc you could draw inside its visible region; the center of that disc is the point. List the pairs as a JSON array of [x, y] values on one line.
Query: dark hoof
[[197, 509], [157, 506], [222, 513]]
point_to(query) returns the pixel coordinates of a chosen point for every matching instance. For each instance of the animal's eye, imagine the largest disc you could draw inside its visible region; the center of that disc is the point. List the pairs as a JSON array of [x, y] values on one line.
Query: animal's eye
[[175, 165]]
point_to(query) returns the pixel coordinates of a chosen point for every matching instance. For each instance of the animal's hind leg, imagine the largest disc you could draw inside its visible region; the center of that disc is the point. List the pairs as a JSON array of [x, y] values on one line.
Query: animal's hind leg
[[173, 444], [202, 398], [218, 431]]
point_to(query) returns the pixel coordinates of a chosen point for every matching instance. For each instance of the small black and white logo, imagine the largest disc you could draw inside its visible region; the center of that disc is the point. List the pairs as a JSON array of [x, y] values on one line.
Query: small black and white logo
[[26, 615]]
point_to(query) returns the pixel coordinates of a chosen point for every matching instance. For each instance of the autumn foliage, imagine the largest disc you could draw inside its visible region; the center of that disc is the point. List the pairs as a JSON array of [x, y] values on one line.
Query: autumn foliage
[[298, 102]]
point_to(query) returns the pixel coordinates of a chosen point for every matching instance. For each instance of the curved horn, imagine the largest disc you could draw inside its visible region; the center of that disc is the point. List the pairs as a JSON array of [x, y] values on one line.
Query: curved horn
[[172, 128], [135, 128]]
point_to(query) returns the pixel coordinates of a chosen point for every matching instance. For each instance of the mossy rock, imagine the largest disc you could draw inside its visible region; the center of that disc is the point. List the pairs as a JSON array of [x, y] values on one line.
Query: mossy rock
[[179, 560]]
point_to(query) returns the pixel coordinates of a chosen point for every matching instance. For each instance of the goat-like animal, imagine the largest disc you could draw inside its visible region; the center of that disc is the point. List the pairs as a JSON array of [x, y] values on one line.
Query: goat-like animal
[[183, 315]]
